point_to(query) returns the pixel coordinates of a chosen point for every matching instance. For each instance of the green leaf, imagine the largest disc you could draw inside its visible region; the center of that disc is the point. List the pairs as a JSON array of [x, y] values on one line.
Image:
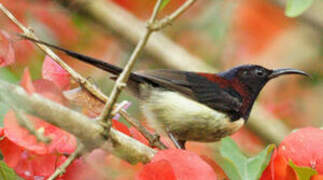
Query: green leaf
[[256, 165], [297, 7], [237, 166], [303, 173], [6, 173], [163, 4], [230, 169], [234, 157]]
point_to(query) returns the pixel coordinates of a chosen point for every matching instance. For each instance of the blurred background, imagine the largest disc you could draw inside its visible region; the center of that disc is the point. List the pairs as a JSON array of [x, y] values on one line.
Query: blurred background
[[213, 35]]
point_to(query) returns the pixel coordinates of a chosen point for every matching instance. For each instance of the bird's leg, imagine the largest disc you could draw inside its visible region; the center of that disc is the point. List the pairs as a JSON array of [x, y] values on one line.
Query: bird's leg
[[180, 144]]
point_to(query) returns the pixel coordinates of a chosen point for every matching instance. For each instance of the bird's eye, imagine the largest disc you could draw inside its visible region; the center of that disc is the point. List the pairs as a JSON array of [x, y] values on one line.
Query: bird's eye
[[259, 73], [245, 73]]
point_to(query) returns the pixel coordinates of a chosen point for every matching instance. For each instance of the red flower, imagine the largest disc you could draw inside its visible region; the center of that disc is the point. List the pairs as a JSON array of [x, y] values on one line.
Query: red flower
[[304, 148], [7, 54], [54, 72], [176, 164]]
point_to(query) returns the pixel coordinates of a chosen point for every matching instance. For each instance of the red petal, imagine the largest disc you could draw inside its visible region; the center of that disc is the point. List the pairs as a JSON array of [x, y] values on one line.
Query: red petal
[[1, 132], [7, 54], [54, 72], [157, 171], [62, 141], [217, 169], [43, 87], [120, 127], [269, 172], [304, 147], [297, 147], [49, 90], [11, 153], [280, 169], [186, 165], [26, 164], [317, 177], [26, 82], [44, 165]]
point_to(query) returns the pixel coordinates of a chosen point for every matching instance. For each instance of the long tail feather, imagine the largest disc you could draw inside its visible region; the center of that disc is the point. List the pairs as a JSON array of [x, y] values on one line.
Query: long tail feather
[[87, 59]]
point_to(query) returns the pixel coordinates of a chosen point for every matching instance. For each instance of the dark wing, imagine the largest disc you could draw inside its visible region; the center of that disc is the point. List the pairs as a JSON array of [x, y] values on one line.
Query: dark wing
[[196, 87], [168, 79]]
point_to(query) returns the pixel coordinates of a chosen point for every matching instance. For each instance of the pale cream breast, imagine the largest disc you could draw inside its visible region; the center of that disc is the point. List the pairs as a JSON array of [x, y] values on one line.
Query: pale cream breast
[[168, 111]]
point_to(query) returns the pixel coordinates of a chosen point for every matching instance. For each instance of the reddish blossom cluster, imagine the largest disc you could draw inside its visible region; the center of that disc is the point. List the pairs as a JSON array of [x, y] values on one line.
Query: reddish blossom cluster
[[303, 148]]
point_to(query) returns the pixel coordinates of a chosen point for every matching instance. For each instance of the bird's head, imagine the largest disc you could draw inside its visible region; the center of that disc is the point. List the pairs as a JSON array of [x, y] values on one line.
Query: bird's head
[[252, 78]]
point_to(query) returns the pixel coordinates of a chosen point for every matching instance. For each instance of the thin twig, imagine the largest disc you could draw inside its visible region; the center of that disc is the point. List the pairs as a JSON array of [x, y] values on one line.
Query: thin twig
[[169, 19], [62, 168], [154, 140], [123, 78], [27, 124]]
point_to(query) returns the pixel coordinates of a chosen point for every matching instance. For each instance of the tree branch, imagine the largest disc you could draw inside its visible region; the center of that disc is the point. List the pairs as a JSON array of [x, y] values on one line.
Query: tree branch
[[85, 129]]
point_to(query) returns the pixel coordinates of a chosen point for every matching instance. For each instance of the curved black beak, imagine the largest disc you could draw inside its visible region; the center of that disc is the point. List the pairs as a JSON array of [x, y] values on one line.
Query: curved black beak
[[284, 71]]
